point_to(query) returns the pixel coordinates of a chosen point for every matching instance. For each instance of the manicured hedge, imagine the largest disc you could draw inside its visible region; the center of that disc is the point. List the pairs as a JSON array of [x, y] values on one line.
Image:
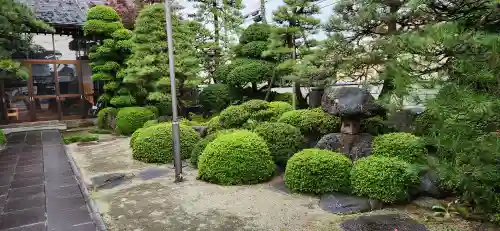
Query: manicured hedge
[[233, 116], [405, 146], [106, 118], [213, 125], [282, 139], [130, 119], [202, 144], [388, 179], [154, 144], [311, 121], [255, 105], [216, 97], [240, 157], [318, 171]]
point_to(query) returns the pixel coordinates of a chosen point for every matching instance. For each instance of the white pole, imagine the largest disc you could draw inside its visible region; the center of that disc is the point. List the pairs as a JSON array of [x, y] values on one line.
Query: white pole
[[175, 122]]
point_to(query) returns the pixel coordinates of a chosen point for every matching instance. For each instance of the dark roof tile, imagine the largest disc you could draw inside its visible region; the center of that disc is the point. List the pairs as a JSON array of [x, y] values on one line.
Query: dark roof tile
[[61, 12]]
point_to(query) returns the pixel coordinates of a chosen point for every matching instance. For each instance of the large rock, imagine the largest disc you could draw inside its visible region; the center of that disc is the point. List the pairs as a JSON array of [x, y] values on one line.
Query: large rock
[[350, 102], [426, 202], [344, 204], [389, 222], [430, 185], [353, 146]]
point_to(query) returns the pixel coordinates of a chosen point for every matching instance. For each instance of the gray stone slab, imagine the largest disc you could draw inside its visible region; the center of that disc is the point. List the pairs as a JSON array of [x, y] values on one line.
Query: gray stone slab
[[152, 173], [22, 218], [345, 204], [389, 222]]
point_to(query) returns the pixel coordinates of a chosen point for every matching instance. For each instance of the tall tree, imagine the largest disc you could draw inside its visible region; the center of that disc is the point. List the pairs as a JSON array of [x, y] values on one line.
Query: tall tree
[[295, 23], [128, 11]]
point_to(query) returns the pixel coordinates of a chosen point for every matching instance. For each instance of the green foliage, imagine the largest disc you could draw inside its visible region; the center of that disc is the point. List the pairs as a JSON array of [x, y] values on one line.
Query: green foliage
[[255, 105], [282, 139], [233, 116], [154, 144], [150, 123], [285, 97], [106, 118], [278, 108], [162, 101], [255, 32], [80, 138], [402, 145], [103, 13], [130, 119], [100, 131], [214, 125], [253, 49], [249, 71], [374, 126], [3, 138], [318, 171], [202, 144], [240, 157], [102, 21], [216, 97], [388, 179], [122, 101], [153, 109], [311, 122]]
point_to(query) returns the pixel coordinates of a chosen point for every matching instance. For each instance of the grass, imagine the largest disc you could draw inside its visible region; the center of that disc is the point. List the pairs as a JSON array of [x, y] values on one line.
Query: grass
[[80, 138]]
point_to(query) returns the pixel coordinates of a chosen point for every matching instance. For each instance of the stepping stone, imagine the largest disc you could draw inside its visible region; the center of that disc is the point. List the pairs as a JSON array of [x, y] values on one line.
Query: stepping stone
[[344, 204], [426, 202], [389, 222], [152, 173], [109, 181]]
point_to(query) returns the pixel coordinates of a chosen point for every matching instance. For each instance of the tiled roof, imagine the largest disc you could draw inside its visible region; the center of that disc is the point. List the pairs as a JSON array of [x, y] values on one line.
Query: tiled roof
[[61, 12]]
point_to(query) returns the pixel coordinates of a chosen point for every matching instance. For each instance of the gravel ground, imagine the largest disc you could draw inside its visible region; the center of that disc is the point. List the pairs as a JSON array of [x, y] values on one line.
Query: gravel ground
[[140, 204]]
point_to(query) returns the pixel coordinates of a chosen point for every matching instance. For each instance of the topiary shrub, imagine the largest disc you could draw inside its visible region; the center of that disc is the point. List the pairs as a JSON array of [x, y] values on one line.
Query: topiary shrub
[[405, 146], [130, 119], [150, 123], [154, 144], [153, 109], [374, 126], [106, 117], [388, 179], [233, 116], [279, 108], [284, 97], [202, 144], [122, 101], [3, 139], [255, 32], [311, 122], [213, 125], [255, 105], [282, 139], [240, 157], [216, 97], [318, 171]]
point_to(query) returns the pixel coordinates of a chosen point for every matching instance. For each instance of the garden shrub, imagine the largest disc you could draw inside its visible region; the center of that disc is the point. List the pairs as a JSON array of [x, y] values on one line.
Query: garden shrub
[[374, 126], [150, 123], [318, 171], [240, 157], [255, 105], [153, 109], [233, 116], [130, 119], [255, 32], [122, 101], [154, 144], [388, 179], [106, 117], [311, 121], [285, 97], [100, 131], [405, 146], [3, 138], [216, 97], [202, 144], [279, 108], [282, 139], [213, 125], [250, 71]]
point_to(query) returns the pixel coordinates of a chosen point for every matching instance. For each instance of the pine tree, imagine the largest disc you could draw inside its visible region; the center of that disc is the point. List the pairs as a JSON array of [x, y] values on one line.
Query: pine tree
[[295, 23]]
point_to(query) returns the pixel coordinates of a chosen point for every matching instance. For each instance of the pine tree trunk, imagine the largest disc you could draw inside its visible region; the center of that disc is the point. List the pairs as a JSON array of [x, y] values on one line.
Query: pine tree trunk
[[388, 85]]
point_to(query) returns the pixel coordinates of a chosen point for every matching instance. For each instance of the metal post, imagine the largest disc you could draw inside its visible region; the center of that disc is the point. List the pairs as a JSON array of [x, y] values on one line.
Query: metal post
[[175, 122]]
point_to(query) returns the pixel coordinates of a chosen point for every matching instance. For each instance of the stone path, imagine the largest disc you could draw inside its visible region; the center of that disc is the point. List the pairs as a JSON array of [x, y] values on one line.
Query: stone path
[[38, 188]]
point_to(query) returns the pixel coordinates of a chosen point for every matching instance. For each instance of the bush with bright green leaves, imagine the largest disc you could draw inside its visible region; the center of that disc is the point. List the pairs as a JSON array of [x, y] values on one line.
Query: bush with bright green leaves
[[405, 146], [150, 123], [154, 144], [202, 144], [240, 157], [120, 101], [311, 122], [278, 108], [3, 138], [214, 125], [282, 139], [106, 118], [388, 179], [318, 171], [216, 97], [130, 119], [153, 109], [233, 116], [102, 21], [255, 32], [285, 97], [255, 105]]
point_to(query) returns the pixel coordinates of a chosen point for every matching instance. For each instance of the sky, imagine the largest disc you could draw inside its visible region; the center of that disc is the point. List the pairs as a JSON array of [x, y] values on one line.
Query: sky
[[271, 5]]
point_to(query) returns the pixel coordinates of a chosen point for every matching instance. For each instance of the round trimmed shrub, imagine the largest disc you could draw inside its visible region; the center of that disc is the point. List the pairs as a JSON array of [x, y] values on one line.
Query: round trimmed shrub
[[216, 97], [213, 125], [202, 144], [255, 105], [153, 109], [255, 32], [130, 119], [150, 123], [311, 121], [233, 116], [279, 108], [285, 97], [104, 13], [122, 101], [240, 157], [318, 171], [388, 179], [253, 49], [282, 139], [136, 134], [105, 118], [154, 144], [405, 146]]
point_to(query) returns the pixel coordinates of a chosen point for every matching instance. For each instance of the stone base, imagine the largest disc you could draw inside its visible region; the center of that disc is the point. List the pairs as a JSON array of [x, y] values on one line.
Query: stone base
[[353, 146], [344, 204]]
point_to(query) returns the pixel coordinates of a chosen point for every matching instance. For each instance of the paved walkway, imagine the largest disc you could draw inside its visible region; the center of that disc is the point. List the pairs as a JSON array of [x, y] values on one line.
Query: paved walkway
[[38, 189]]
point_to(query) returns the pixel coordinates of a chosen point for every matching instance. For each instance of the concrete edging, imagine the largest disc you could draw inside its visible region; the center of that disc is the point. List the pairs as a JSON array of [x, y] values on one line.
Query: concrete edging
[[94, 211]]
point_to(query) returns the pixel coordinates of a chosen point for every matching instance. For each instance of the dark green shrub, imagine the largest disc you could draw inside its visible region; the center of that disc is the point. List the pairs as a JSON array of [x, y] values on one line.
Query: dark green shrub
[[202, 144], [216, 97], [162, 101], [374, 126], [318, 171], [240, 157], [311, 122], [106, 118], [282, 139], [285, 97], [122, 101], [130, 119], [388, 179], [213, 125], [405, 146], [255, 105], [3, 139], [253, 49], [250, 71], [279, 108], [80, 138], [153, 109], [103, 13], [154, 144], [255, 32], [233, 116]]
